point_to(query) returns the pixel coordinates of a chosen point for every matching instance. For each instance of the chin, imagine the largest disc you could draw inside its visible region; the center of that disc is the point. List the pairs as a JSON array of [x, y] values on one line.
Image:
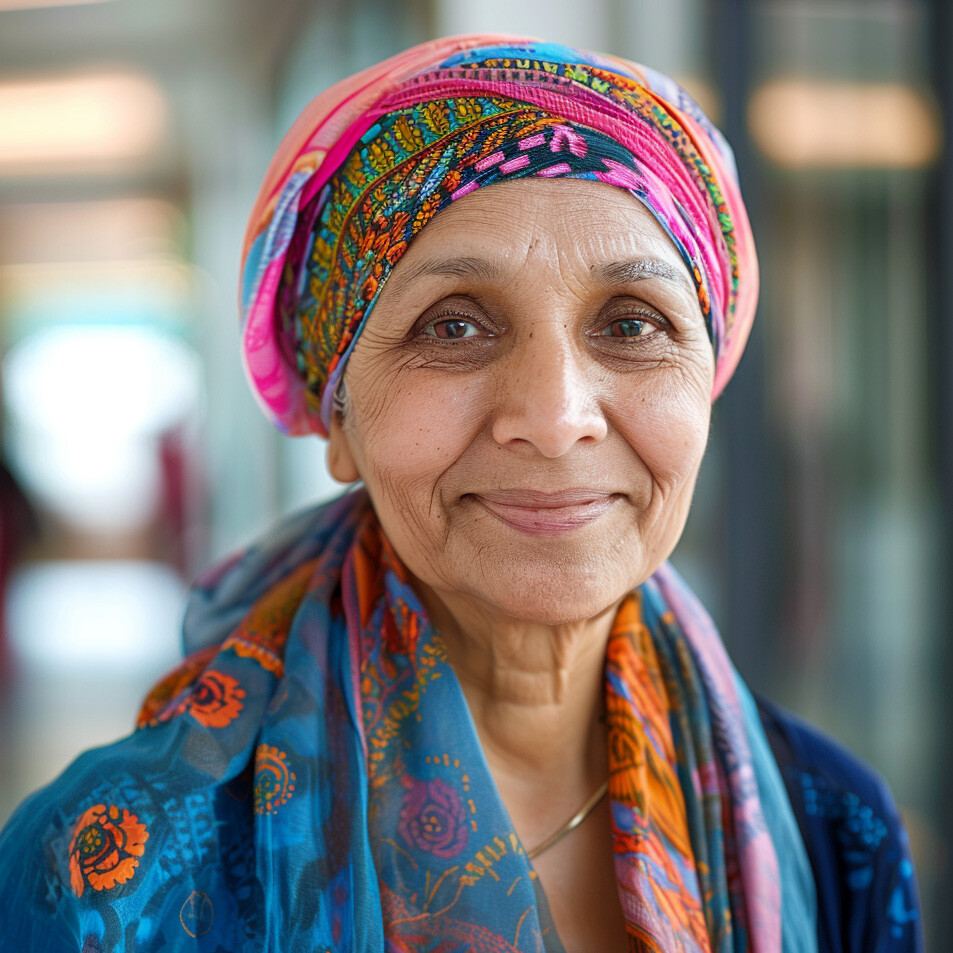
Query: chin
[[558, 598], [551, 582]]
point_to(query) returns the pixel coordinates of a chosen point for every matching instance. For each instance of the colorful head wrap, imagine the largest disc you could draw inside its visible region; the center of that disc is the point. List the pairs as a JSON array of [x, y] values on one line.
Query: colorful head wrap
[[371, 161]]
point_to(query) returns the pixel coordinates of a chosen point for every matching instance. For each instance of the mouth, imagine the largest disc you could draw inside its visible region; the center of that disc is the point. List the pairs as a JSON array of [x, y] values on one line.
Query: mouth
[[542, 514]]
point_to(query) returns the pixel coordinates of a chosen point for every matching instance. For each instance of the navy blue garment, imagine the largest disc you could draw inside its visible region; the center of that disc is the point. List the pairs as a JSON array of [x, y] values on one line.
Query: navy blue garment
[[867, 899]]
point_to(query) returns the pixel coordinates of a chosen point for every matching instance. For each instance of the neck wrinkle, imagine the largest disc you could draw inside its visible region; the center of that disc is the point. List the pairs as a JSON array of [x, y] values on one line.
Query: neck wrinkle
[[536, 696]]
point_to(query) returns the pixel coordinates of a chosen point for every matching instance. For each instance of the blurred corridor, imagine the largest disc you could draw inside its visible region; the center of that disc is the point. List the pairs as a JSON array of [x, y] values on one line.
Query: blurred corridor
[[133, 138]]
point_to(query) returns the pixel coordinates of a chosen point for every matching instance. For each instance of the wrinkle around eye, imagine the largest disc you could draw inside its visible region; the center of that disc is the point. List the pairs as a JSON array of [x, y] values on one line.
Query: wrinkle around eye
[[668, 304]]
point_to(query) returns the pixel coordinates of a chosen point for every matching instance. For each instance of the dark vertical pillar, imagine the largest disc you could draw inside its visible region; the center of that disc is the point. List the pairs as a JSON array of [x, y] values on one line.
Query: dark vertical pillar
[[752, 505], [940, 325]]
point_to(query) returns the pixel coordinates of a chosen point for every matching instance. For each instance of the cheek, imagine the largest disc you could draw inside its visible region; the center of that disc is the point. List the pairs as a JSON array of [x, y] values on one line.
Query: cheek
[[668, 429], [406, 433]]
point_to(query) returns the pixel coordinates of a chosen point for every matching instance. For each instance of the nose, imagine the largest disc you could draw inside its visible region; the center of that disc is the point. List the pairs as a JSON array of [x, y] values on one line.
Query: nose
[[548, 396]]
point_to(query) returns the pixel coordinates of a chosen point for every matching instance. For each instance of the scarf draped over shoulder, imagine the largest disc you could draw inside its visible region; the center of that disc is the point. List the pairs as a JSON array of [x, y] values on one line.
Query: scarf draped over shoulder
[[309, 778]]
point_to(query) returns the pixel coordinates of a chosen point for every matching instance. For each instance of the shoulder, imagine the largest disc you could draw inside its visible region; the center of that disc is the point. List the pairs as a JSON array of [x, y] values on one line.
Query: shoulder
[[805, 750], [66, 848], [150, 841], [854, 837], [140, 841]]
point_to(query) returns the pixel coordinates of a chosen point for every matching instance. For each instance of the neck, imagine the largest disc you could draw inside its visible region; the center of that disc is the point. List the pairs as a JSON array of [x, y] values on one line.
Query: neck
[[535, 693]]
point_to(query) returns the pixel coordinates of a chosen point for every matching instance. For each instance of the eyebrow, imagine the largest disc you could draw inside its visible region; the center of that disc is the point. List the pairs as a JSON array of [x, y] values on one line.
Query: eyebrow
[[639, 269], [478, 268]]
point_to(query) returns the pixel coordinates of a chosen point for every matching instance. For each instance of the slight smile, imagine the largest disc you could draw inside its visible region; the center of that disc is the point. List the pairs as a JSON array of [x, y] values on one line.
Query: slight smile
[[540, 514]]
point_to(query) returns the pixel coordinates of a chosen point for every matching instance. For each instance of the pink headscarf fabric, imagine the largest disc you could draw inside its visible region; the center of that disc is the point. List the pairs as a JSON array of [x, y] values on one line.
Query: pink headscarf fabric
[[679, 166]]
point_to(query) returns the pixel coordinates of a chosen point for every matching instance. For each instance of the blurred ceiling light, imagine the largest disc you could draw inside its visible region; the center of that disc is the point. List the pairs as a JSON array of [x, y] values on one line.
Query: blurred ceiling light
[[811, 124], [20, 280], [32, 4], [113, 229], [79, 124], [104, 616], [85, 405], [116, 381]]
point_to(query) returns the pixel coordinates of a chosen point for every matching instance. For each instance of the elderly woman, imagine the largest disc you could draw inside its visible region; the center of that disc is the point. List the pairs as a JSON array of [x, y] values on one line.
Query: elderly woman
[[469, 706]]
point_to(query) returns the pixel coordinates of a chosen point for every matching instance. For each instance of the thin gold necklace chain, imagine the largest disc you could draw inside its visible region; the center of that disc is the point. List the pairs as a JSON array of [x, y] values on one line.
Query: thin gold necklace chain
[[572, 823]]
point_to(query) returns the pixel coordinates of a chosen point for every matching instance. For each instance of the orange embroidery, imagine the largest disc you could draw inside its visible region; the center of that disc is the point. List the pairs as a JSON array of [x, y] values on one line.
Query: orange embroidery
[[197, 914], [274, 780], [643, 773], [262, 634], [105, 848], [216, 699], [156, 707]]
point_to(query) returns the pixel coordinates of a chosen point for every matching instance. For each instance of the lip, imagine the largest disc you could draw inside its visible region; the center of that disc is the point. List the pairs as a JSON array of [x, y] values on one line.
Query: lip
[[538, 513]]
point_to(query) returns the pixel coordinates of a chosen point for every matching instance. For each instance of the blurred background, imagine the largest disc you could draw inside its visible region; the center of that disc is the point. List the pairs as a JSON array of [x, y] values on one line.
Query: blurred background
[[133, 137]]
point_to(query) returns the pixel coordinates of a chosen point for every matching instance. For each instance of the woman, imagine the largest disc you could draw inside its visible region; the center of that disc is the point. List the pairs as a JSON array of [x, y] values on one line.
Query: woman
[[469, 706]]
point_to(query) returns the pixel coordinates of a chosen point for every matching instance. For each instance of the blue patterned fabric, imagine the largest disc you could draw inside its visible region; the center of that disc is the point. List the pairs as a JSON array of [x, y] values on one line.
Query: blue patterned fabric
[[867, 895]]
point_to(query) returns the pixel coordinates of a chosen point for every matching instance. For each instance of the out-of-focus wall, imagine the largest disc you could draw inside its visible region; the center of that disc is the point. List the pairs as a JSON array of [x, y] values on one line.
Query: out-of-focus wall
[[841, 138]]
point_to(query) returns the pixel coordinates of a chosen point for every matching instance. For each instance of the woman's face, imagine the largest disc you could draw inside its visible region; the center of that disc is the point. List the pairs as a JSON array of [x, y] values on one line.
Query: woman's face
[[529, 402]]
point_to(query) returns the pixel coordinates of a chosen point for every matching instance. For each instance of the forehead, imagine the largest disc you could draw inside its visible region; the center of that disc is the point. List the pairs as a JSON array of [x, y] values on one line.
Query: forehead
[[573, 220]]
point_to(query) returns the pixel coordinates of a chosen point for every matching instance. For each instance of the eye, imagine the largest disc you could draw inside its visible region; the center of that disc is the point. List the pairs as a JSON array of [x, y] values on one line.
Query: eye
[[454, 320], [453, 328], [628, 328], [630, 322]]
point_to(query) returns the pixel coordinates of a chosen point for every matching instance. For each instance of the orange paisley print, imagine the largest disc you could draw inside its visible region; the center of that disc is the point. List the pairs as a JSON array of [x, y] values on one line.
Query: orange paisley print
[[262, 634], [642, 758], [274, 779], [105, 850], [215, 700], [158, 705]]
